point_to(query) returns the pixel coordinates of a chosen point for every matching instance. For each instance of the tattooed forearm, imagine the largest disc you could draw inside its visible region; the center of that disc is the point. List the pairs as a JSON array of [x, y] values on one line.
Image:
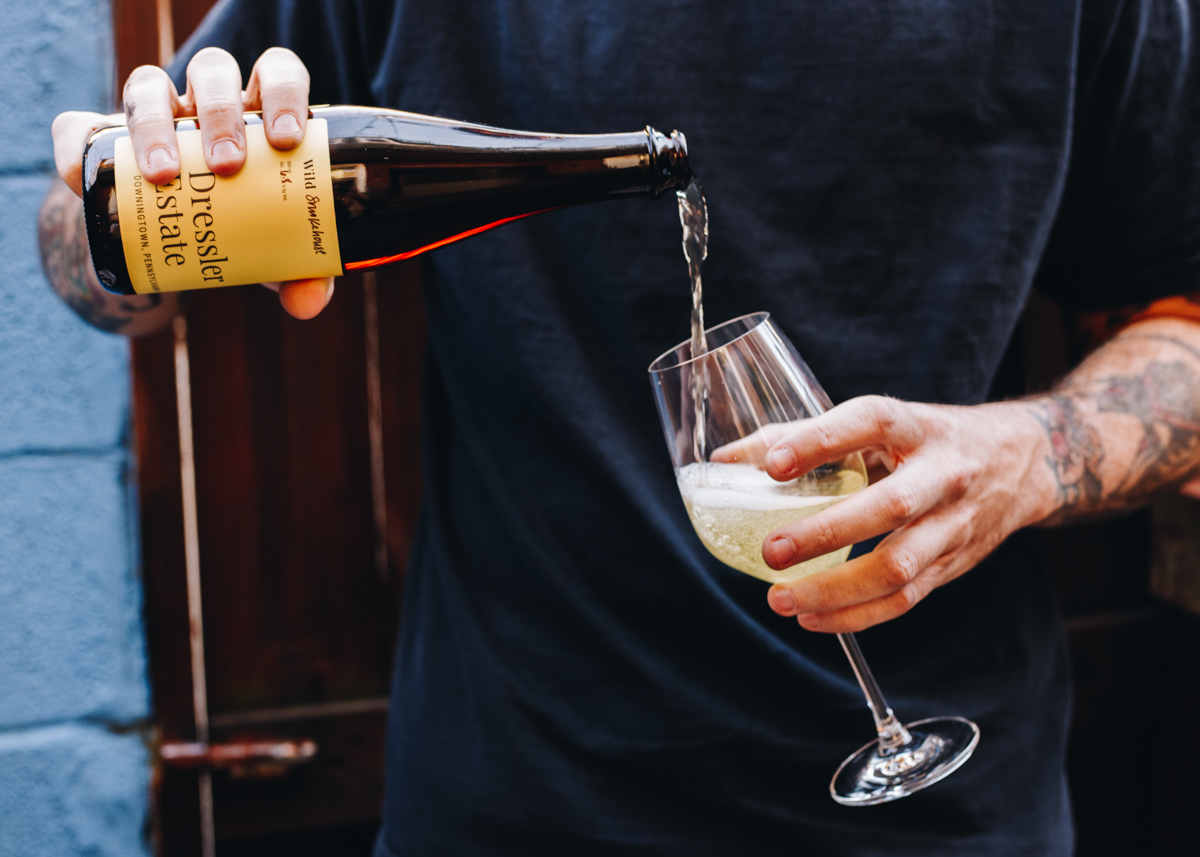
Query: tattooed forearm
[[1116, 439], [1191, 348], [1075, 453], [68, 267], [1165, 399]]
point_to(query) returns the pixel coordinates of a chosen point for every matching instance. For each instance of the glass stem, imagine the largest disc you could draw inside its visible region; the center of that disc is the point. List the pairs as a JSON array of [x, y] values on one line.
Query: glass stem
[[892, 734]]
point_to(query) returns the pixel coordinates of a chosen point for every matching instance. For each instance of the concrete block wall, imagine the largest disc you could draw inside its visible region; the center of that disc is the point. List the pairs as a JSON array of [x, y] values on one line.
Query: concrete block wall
[[74, 770]]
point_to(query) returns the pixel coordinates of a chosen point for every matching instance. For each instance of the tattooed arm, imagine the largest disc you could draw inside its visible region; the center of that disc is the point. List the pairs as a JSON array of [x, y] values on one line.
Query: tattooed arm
[[957, 481], [68, 267], [1126, 424]]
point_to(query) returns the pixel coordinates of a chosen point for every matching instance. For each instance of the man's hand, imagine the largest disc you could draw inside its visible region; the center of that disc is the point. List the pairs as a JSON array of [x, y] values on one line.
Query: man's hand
[[278, 87], [955, 486], [959, 480]]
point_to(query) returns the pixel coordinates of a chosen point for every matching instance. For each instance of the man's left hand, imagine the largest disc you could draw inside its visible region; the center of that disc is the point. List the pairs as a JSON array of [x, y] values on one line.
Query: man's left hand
[[957, 481]]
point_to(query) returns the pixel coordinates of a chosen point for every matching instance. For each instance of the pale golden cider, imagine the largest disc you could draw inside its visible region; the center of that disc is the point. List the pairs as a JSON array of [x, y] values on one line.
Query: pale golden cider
[[734, 507]]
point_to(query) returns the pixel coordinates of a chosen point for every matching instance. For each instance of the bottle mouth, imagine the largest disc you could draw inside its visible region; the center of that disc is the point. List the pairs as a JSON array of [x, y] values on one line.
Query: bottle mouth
[[669, 157]]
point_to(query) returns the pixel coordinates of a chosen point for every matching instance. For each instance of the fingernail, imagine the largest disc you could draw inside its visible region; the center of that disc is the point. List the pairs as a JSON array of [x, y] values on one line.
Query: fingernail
[[286, 125], [225, 150], [782, 460], [159, 158], [807, 620], [779, 552], [781, 601]]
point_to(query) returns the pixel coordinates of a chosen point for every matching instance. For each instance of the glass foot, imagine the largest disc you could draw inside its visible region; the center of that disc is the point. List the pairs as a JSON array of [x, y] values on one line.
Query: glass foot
[[938, 748]]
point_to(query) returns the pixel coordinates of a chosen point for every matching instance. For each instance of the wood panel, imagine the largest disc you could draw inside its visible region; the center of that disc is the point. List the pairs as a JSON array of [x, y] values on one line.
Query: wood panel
[[186, 15], [296, 612], [135, 33]]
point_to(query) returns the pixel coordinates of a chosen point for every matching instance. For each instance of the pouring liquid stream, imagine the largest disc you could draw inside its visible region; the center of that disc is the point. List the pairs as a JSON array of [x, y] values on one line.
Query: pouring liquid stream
[[693, 215]]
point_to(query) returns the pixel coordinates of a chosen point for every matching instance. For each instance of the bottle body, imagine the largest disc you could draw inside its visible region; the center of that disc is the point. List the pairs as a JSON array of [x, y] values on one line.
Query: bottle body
[[401, 184]]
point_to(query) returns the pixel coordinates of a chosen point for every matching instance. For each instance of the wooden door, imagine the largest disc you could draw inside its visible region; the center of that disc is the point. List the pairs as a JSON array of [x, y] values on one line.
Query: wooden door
[[304, 522], [299, 618]]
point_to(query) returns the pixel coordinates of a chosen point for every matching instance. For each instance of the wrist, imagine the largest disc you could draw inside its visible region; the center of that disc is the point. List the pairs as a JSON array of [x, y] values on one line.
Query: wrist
[[1026, 451], [1065, 478], [68, 269]]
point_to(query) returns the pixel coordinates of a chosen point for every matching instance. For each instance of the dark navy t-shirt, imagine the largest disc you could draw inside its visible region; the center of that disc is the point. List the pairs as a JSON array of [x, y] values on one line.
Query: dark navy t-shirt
[[888, 178]]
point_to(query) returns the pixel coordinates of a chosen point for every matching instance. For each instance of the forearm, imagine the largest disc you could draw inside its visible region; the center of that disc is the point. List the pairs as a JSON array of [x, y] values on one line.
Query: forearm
[[68, 266], [1125, 425]]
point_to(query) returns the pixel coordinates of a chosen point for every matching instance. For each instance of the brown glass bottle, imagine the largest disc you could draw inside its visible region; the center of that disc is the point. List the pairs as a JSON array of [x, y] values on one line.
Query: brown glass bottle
[[404, 183]]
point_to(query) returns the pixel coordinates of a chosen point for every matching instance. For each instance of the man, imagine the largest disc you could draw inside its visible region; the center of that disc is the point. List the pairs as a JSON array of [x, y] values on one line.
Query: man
[[576, 675]]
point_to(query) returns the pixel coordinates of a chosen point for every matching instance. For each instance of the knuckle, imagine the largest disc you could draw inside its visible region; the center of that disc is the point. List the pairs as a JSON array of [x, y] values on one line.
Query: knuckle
[[899, 568], [825, 436], [881, 411], [148, 116], [901, 502], [907, 598], [826, 537], [964, 533], [958, 480], [288, 89], [212, 78], [219, 104]]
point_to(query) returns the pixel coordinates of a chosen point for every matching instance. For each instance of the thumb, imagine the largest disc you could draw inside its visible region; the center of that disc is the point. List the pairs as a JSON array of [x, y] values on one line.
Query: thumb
[[71, 131], [304, 299]]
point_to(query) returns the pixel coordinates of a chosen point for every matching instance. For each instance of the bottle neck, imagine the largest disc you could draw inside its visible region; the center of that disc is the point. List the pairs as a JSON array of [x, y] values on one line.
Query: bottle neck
[[669, 160], [646, 161]]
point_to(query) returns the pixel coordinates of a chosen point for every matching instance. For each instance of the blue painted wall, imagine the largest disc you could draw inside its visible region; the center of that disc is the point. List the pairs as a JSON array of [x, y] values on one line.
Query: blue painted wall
[[74, 770]]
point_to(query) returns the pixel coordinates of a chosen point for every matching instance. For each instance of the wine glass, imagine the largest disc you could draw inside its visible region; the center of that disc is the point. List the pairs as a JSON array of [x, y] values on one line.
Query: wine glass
[[741, 395]]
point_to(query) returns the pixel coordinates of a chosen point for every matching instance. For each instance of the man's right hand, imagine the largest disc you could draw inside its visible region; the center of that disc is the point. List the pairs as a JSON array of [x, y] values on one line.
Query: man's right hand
[[278, 87]]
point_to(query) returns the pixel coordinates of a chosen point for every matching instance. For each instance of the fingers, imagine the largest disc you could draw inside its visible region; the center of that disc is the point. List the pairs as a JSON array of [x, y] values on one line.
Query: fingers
[[71, 131], [151, 104], [868, 421], [862, 616], [881, 508], [279, 86], [873, 588], [304, 299], [752, 448], [215, 87]]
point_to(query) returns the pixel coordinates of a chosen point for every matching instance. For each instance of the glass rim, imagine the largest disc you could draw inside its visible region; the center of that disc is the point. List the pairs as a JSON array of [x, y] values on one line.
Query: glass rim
[[762, 317]]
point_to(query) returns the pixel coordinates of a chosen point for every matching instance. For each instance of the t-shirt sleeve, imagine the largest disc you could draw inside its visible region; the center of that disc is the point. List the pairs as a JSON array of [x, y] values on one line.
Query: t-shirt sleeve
[[1128, 227], [338, 40]]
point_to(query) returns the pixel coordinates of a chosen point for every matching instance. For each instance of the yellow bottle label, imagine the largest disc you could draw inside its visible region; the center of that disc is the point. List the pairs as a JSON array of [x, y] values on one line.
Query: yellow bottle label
[[272, 221]]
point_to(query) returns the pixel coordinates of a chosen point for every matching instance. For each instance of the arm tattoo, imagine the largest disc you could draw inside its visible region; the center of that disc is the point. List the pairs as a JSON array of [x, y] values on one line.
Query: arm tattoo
[[62, 240], [1075, 454], [1164, 399]]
